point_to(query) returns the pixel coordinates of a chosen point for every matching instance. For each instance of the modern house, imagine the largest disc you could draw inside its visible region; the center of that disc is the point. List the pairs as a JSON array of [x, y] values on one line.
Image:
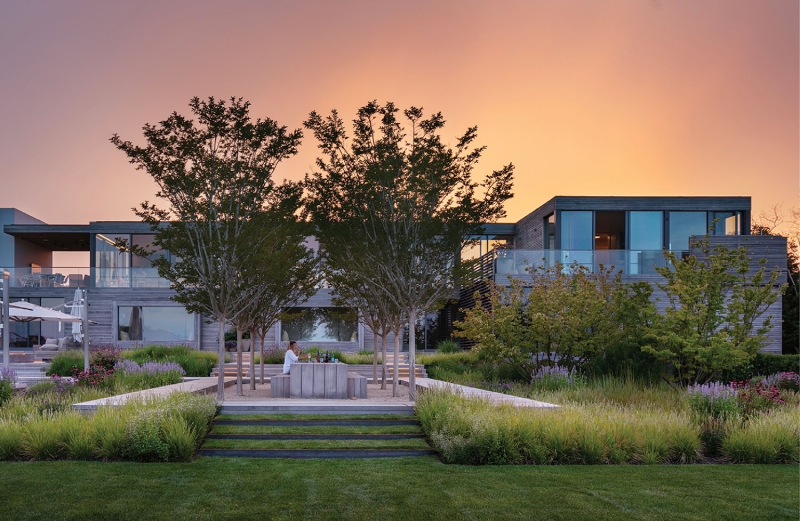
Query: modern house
[[131, 305]]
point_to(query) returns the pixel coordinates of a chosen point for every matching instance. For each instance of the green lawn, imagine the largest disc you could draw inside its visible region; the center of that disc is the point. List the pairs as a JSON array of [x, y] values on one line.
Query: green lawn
[[387, 489]]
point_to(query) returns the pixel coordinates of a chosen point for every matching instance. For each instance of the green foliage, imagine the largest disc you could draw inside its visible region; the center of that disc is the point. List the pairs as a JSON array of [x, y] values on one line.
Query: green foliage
[[193, 362], [41, 438], [469, 431], [448, 346], [10, 439], [394, 203], [180, 439], [6, 390], [762, 364], [713, 303], [770, 438], [64, 362], [566, 314], [143, 437]]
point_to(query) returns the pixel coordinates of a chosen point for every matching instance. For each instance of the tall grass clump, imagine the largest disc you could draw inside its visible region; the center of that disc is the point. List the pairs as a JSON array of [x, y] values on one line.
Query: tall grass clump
[[10, 439], [768, 438], [476, 432]]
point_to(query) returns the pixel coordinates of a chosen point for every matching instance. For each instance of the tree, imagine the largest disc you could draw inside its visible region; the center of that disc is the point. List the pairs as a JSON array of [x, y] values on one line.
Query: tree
[[713, 304], [281, 270], [565, 315], [413, 195], [216, 177], [773, 222]]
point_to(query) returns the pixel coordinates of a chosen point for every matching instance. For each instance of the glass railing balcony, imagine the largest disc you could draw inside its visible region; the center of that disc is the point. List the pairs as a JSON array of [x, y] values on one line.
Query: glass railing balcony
[[85, 277], [630, 262]]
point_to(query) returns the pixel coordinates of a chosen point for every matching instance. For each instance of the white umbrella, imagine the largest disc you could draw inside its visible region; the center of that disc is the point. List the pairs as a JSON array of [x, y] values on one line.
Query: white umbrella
[[26, 312], [76, 310]]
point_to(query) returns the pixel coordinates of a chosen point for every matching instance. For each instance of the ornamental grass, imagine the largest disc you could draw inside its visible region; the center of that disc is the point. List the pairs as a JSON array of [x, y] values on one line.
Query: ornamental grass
[[159, 429]]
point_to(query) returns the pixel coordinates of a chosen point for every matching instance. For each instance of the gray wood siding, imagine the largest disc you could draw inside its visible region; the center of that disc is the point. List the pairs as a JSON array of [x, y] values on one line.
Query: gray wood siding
[[530, 229]]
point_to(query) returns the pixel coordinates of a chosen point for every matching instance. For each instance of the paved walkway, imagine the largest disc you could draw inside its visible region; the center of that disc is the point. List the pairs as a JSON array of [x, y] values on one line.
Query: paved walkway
[[297, 406], [471, 392]]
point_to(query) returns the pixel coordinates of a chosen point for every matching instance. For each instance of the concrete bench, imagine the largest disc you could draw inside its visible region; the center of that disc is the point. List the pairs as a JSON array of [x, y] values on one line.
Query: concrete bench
[[356, 385], [279, 386]]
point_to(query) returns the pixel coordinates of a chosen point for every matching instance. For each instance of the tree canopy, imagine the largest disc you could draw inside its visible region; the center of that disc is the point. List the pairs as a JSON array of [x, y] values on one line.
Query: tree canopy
[[216, 178], [410, 196]]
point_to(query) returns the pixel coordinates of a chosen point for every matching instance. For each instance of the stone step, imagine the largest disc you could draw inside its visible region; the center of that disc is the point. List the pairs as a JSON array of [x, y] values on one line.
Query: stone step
[[315, 453]]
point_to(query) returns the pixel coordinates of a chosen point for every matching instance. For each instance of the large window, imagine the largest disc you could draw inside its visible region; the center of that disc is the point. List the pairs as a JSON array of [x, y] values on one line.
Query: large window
[[320, 325], [144, 275], [576, 230], [647, 231], [726, 223], [112, 265], [155, 324], [683, 225]]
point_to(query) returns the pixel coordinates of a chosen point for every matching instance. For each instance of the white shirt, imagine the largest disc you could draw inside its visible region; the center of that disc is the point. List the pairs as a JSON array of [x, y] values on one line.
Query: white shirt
[[288, 359]]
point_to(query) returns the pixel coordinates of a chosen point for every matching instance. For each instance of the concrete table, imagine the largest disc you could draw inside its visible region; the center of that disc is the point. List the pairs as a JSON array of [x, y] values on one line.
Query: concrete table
[[318, 380]]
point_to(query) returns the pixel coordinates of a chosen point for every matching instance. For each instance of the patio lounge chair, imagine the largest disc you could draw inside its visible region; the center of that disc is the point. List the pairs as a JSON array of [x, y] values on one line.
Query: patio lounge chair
[[50, 348]]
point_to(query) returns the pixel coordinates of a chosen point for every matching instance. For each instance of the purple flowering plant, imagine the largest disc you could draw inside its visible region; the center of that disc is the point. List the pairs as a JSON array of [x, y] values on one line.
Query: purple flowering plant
[[149, 374], [555, 377], [713, 400]]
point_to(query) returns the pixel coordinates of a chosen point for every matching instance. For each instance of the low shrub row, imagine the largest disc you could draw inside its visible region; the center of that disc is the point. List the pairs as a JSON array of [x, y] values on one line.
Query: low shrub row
[[469, 431], [164, 429]]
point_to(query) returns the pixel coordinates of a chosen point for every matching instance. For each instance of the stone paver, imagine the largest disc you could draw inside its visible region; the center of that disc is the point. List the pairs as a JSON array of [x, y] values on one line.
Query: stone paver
[[471, 392], [310, 406]]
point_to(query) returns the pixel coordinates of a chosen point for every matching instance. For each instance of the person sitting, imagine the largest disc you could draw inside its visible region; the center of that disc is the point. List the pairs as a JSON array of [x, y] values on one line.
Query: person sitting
[[291, 356]]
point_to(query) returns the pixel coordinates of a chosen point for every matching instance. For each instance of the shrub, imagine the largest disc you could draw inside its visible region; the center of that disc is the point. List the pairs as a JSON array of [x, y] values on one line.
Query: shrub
[[63, 363], [143, 437], [754, 397], [448, 346], [762, 364], [8, 377]]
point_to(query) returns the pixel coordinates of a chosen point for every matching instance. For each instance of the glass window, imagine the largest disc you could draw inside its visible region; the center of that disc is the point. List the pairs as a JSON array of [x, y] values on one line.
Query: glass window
[[647, 230], [321, 325], [683, 225], [725, 223], [112, 266], [549, 238], [155, 324], [576, 230], [144, 275]]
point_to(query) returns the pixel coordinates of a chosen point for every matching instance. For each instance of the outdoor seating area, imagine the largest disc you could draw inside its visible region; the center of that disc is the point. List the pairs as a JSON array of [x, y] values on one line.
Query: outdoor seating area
[[319, 381]]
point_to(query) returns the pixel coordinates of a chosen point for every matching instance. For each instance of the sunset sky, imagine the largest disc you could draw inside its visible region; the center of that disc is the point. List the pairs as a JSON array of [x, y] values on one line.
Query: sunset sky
[[615, 97]]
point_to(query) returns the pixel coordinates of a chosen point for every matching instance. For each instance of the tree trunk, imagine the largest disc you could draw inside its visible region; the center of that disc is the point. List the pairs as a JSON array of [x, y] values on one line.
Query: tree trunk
[[412, 346], [221, 376], [261, 359], [239, 362], [395, 377], [374, 357], [253, 359], [383, 359]]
